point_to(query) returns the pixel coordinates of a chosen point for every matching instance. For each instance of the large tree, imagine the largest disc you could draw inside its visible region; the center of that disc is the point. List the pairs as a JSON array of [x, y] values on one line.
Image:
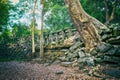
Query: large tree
[[86, 25]]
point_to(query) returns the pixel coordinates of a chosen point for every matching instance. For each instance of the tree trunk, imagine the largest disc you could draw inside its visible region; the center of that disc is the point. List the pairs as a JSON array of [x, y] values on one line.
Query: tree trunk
[[33, 27], [41, 35], [111, 16], [106, 13], [86, 25]]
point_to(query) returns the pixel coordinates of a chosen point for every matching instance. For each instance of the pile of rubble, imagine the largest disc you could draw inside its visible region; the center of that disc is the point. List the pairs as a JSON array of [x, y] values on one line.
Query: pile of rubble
[[106, 52]]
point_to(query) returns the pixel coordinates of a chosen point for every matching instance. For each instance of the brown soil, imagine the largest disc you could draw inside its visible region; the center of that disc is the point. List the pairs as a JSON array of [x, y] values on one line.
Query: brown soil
[[34, 71]]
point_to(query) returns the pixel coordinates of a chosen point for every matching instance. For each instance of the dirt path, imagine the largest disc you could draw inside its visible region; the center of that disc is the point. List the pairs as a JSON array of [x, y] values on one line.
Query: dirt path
[[35, 71]]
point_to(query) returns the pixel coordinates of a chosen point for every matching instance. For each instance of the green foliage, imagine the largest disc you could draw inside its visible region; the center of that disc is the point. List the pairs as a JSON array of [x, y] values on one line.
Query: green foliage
[[96, 8], [21, 31], [5, 6], [6, 34], [15, 43], [58, 17]]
